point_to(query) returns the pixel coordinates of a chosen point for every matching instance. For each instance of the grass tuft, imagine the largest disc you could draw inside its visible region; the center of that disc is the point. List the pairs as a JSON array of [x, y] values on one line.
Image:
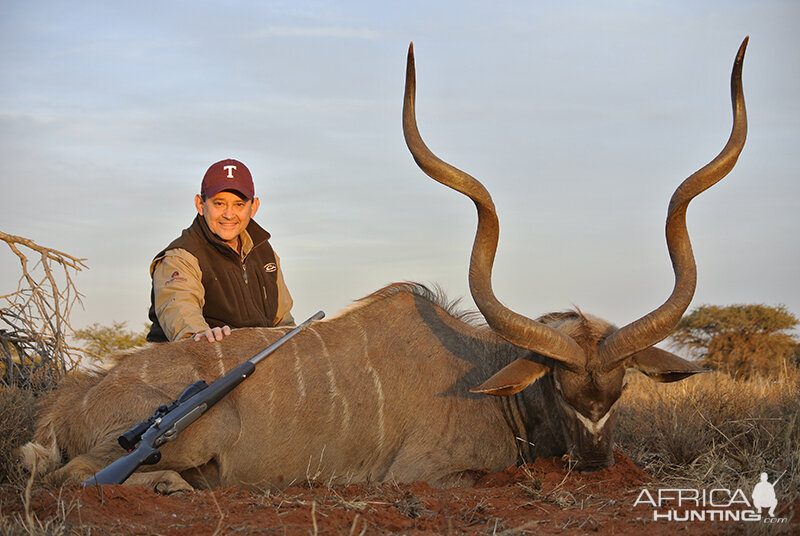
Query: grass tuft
[[17, 411], [714, 431]]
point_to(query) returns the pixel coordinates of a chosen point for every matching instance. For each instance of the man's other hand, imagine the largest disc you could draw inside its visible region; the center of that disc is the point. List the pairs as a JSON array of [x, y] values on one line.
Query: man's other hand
[[214, 334]]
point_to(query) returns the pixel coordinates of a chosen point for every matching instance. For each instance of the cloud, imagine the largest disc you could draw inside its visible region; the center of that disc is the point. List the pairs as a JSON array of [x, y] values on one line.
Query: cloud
[[337, 32]]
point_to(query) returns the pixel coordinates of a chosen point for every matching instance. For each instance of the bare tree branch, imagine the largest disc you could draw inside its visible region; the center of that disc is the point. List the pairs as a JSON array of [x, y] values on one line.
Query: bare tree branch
[[34, 318]]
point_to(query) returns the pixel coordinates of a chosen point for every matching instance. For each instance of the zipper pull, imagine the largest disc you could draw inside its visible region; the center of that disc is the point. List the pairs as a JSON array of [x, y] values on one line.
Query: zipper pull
[[244, 272]]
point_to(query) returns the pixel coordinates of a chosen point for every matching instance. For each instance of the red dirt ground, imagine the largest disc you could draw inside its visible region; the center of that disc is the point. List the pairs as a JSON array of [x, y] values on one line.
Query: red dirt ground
[[543, 497]]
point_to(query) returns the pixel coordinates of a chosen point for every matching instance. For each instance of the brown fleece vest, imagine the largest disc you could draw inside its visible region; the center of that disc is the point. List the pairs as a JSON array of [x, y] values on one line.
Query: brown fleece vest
[[237, 293]]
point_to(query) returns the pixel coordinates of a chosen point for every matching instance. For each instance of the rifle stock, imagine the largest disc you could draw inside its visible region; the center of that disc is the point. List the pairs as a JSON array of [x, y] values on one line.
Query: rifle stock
[[119, 471], [166, 427]]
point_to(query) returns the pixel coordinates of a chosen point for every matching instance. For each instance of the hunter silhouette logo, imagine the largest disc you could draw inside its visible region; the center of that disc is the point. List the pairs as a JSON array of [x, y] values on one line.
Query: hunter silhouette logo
[[764, 495]]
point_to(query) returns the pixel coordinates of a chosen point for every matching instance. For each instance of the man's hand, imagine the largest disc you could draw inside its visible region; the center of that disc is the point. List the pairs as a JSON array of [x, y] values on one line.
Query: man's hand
[[213, 335]]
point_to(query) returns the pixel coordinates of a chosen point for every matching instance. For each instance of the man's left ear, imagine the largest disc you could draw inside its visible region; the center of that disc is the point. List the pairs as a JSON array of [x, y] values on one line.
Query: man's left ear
[[663, 366], [255, 206]]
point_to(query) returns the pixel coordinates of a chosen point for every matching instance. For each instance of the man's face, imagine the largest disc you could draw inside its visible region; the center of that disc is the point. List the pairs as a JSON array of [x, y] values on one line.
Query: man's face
[[227, 215]]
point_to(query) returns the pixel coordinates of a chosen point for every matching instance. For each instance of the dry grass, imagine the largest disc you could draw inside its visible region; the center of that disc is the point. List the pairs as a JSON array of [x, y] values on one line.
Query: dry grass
[[17, 411], [713, 431], [17, 408], [27, 523]]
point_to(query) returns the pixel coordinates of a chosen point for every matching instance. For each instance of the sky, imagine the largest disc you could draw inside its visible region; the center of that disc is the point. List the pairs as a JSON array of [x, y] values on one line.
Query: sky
[[579, 117]]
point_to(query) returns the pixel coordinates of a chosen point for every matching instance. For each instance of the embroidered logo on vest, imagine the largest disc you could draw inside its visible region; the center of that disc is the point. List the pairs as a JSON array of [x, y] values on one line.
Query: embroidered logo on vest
[[270, 267]]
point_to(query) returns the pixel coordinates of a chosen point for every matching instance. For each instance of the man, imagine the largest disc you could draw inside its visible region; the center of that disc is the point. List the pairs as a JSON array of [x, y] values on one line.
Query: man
[[221, 273]]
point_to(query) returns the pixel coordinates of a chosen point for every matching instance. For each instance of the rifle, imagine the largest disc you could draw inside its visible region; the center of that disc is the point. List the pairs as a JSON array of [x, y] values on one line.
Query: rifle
[[169, 421]]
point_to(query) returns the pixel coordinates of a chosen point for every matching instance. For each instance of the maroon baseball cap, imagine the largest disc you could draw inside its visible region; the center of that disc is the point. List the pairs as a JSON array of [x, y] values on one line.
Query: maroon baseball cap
[[228, 175]]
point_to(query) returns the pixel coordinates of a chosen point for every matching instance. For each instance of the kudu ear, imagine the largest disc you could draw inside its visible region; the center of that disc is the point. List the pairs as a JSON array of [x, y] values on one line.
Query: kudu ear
[[663, 366], [512, 378]]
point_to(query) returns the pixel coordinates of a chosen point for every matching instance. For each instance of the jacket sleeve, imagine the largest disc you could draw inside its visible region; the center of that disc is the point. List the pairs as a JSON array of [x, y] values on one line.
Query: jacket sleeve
[[283, 316], [179, 294]]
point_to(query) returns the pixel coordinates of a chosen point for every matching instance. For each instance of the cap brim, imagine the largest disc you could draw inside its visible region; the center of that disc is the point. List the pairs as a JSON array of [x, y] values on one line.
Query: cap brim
[[211, 192]]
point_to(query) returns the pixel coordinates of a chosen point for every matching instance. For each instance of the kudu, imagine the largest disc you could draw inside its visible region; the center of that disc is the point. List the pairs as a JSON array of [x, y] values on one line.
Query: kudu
[[393, 387]]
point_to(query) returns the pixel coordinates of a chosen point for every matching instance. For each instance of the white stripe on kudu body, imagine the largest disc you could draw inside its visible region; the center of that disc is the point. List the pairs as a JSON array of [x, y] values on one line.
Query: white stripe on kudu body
[[337, 397], [298, 370], [143, 374], [220, 362], [376, 381], [380, 406]]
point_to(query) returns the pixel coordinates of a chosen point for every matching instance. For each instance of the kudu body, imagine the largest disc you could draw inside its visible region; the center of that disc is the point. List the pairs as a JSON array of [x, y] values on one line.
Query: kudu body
[[394, 387]]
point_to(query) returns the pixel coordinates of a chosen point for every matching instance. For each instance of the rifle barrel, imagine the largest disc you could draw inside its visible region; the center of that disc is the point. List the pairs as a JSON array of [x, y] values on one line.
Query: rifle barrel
[[319, 315]]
